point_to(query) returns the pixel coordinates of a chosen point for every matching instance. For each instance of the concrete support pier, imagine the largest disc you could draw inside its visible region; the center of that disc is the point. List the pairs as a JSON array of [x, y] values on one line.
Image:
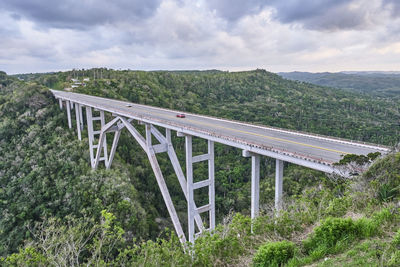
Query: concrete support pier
[[278, 184], [78, 119], [255, 185], [193, 211], [67, 103]]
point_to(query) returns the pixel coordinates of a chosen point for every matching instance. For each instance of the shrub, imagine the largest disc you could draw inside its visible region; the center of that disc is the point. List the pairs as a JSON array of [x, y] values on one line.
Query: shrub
[[394, 259], [383, 178], [225, 244], [396, 239], [367, 227], [338, 206], [386, 192], [383, 216], [383, 219], [28, 256], [334, 234], [274, 254], [330, 232], [358, 159], [161, 252]]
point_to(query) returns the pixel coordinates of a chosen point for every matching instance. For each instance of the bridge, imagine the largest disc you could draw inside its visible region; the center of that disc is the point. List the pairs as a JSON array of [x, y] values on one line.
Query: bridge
[[308, 150]]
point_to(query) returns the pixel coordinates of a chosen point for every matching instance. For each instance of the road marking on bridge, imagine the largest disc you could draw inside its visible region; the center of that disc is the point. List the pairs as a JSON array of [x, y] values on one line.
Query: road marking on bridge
[[255, 134], [272, 138]]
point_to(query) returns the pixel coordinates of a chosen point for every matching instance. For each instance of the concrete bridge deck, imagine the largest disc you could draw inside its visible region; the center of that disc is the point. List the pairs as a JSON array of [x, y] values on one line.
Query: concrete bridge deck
[[309, 150]]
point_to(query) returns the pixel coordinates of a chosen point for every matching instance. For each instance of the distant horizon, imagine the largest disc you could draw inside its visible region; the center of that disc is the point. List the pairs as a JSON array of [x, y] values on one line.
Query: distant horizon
[[211, 69]]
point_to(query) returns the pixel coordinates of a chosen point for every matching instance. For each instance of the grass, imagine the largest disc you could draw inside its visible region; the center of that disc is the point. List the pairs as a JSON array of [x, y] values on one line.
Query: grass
[[366, 253]]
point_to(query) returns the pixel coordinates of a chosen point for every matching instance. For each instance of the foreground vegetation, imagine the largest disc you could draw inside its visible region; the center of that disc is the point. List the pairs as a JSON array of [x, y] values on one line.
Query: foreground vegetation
[[56, 211], [323, 227]]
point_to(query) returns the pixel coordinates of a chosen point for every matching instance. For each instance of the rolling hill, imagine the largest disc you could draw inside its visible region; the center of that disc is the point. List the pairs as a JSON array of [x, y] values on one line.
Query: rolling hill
[[382, 84]]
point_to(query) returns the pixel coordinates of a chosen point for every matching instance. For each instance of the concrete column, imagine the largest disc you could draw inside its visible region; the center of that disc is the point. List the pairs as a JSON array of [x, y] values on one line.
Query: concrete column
[[181, 177], [189, 184], [60, 102], [104, 141], [148, 135], [78, 124], [255, 185], [90, 134], [168, 136], [278, 184], [69, 114], [211, 191], [80, 116]]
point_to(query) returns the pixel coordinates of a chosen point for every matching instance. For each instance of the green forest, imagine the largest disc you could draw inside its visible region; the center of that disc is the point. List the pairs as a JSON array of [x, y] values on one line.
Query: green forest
[[56, 211]]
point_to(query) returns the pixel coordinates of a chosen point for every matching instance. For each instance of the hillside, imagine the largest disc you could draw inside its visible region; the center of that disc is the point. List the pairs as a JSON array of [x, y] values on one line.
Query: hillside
[[55, 209], [44, 171], [381, 84]]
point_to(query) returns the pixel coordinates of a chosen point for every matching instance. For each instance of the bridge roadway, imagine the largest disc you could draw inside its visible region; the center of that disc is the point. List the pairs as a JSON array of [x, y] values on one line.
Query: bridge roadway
[[314, 151]]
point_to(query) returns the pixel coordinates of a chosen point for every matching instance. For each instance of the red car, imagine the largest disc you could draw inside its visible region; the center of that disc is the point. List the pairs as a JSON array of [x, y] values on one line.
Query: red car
[[181, 115]]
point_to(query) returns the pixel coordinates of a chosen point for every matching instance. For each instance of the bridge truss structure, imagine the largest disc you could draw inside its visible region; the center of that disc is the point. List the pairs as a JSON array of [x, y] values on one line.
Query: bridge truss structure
[[125, 117]]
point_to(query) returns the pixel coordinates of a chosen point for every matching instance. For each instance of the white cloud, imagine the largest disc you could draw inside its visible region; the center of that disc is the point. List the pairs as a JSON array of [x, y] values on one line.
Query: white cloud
[[188, 34]]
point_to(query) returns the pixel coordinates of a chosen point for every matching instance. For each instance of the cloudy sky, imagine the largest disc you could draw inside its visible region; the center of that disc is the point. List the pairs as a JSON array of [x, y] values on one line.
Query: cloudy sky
[[277, 35]]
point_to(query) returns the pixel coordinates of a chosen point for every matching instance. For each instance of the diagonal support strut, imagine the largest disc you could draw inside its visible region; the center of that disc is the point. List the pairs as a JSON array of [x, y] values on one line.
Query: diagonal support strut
[[177, 168], [148, 148]]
